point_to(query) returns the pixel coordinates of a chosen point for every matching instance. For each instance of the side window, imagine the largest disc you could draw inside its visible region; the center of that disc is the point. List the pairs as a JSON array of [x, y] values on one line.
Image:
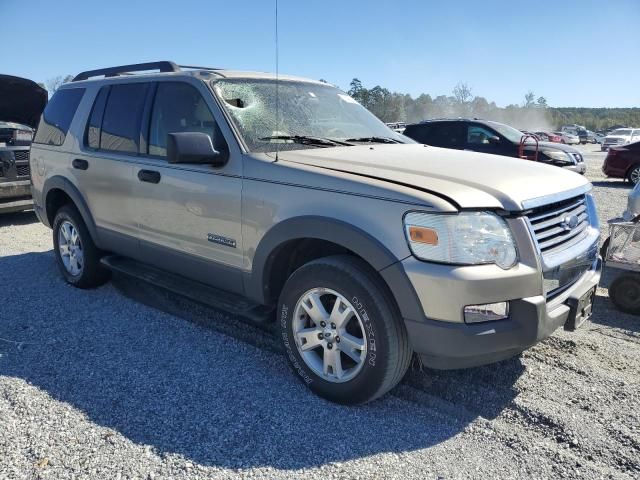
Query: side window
[[57, 116], [447, 135], [122, 116], [94, 126], [477, 135], [179, 107]]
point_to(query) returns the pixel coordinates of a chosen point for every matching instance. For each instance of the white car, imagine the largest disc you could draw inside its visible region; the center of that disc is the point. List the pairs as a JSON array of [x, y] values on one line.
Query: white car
[[622, 136], [569, 138]]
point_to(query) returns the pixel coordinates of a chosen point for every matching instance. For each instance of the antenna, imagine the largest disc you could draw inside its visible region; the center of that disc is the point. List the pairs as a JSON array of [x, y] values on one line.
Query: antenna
[[277, 85]]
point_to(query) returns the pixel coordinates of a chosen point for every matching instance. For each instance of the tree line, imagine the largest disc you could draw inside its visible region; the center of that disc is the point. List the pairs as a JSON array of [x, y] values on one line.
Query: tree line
[[532, 113]]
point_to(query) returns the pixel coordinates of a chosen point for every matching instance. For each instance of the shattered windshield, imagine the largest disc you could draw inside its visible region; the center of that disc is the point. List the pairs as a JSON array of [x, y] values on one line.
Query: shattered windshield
[[310, 115]]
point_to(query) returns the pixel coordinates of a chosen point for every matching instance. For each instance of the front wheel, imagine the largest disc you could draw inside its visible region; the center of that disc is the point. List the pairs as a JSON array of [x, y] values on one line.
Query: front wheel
[[343, 335]]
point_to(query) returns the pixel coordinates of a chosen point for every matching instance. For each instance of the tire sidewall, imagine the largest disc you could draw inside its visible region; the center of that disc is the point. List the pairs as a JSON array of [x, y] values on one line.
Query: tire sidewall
[[371, 312]]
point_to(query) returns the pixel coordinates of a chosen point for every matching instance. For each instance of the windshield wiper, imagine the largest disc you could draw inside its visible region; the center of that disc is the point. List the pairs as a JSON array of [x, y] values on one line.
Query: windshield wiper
[[374, 140], [308, 140]]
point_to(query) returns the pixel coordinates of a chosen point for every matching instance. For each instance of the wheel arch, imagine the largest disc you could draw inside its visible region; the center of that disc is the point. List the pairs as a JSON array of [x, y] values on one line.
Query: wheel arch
[[58, 191], [277, 257]]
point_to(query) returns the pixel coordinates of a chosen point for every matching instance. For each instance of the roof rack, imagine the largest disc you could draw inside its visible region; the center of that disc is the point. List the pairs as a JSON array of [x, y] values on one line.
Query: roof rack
[[163, 66], [191, 67]]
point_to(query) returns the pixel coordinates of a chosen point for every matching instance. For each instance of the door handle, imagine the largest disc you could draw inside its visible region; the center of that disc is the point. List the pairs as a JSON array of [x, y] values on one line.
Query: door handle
[[80, 164], [149, 176]]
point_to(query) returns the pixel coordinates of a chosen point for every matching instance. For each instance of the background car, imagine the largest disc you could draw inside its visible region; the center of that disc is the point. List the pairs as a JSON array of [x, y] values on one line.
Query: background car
[[21, 103], [568, 138], [593, 137], [549, 137], [621, 136], [492, 137], [623, 162]]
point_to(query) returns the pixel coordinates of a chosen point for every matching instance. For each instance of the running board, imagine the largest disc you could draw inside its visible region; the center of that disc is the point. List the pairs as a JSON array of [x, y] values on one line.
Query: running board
[[196, 291]]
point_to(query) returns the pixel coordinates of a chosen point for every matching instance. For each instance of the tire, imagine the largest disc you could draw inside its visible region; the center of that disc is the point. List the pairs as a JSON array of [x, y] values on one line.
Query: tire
[[634, 175], [373, 322], [625, 293], [67, 225]]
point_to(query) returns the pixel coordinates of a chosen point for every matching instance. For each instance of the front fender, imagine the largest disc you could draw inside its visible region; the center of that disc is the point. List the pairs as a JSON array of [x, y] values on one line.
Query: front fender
[[341, 233]]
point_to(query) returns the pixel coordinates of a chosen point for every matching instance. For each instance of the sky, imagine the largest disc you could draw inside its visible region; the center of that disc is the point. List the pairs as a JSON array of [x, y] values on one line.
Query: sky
[[574, 53]]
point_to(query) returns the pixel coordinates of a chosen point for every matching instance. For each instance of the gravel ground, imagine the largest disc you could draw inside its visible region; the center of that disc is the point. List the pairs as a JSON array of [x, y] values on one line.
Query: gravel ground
[[97, 384]]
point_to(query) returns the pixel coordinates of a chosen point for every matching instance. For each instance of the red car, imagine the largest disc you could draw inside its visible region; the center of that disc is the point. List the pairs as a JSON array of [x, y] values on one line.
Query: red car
[[549, 137], [623, 162]]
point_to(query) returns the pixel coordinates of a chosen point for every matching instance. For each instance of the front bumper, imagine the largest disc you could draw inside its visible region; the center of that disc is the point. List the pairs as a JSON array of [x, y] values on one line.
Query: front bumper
[[15, 196], [580, 167], [448, 345]]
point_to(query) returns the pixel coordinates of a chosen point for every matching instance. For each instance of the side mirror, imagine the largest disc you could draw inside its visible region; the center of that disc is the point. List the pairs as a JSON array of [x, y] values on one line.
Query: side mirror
[[193, 147], [494, 140]]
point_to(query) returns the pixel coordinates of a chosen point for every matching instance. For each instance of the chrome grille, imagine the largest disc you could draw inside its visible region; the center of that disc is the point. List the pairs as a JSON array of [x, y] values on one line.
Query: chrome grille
[[560, 225]]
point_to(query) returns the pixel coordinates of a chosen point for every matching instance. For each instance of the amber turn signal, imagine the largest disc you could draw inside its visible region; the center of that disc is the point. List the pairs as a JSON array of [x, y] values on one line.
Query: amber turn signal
[[423, 235]]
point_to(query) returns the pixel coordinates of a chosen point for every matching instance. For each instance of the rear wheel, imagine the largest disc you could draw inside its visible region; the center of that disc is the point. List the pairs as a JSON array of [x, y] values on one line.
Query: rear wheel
[[634, 175], [342, 334], [625, 293], [76, 255]]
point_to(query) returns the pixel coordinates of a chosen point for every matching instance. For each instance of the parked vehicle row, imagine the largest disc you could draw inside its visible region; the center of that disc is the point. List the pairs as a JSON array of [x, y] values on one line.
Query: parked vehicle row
[[363, 246]]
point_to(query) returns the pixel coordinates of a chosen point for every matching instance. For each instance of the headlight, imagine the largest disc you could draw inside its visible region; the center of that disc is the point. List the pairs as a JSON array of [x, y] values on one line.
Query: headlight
[[467, 238], [557, 155]]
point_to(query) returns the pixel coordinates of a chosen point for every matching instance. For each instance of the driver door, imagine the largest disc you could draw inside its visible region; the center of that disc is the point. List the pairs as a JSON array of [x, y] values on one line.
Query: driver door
[[483, 139], [189, 216]]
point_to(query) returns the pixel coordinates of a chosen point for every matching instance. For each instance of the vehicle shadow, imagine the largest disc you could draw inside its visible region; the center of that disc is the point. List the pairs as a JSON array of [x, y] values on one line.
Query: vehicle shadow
[[188, 388], [18, 218]]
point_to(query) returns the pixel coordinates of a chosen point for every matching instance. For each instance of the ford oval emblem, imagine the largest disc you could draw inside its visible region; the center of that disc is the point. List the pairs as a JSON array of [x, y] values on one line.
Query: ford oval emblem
[[570, 222]]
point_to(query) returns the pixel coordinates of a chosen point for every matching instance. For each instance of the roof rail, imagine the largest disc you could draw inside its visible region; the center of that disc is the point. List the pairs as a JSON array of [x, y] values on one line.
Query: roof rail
[[163, 66], [191, 67]]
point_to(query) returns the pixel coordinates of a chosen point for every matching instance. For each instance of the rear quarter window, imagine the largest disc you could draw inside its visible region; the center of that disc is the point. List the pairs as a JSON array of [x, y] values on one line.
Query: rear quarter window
[[420, 133], [57, 116]]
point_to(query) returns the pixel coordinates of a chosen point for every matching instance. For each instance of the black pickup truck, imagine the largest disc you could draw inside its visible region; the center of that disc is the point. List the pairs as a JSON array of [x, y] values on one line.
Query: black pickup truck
[[21, 103]]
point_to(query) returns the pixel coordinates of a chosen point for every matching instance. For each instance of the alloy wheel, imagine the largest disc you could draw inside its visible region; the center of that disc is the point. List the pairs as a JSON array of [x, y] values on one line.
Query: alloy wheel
[[330, 335], [70, 248]]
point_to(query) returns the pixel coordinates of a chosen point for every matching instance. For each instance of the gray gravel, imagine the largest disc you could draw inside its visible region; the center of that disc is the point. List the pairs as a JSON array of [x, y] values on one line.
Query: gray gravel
[[96, 384]]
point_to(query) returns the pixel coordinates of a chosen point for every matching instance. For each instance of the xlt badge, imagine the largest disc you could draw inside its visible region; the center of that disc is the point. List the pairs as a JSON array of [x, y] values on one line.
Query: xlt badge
[[227, 242]]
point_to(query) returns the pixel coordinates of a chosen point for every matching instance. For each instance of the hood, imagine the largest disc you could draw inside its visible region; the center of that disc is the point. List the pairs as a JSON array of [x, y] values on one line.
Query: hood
[[21, 100], [618, 137], [467, 179]]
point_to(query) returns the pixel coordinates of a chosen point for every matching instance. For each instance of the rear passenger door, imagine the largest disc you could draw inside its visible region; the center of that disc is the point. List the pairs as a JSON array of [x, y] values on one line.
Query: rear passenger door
[[189, 216], [104, 168], [446, 135]]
